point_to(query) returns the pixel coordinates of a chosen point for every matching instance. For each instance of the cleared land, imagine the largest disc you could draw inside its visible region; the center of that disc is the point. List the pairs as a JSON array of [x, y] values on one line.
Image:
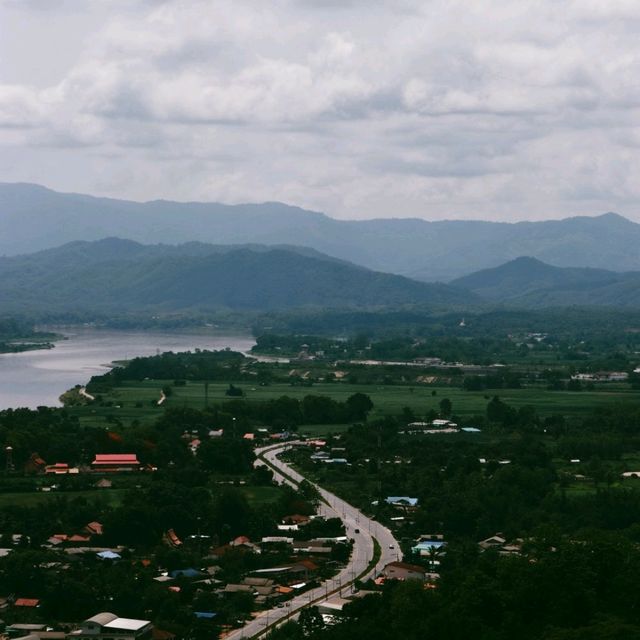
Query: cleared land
[[138, 400]]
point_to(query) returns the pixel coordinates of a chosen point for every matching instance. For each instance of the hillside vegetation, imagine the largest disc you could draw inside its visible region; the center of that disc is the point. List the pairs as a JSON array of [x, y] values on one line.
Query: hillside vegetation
[[530, 282], [113, 275], [34, 218]]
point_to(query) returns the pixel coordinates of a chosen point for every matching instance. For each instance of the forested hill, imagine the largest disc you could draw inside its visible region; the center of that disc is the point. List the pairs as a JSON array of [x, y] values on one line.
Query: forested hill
[[530, 282], [34, 218], [115, 275]]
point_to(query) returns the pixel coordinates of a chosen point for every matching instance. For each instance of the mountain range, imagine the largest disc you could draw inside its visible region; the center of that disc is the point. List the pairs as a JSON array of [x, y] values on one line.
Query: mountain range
[[528, 282], [34, 218], [119, 276]]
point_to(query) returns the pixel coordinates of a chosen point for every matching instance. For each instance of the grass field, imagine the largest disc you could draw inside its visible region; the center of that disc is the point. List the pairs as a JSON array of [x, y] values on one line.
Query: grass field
[[113, 497], [138, 400], [257, 496]]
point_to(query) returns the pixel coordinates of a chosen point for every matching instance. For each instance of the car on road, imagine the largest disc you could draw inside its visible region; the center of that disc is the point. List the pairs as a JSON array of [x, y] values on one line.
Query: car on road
[[356, 530], [390, 546]]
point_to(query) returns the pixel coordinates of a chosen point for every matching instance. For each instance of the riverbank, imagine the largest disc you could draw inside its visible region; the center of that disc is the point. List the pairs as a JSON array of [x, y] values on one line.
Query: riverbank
[[38, 377]]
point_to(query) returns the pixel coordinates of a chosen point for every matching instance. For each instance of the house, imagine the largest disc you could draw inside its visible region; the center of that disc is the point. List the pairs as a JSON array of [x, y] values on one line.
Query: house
[[500, 544], [108, 626], [116, 462], [190, 572], [333, 605], [94, 528], [103, 483], [276, 540], [23, 630], [493, 542], [428, 546], [60, 469], [296, 518], [311, 546], [26, 602], [402, 501], [246, 544], [304, 567], [238, 588], [35, 464], [171, 538], [404, 571]]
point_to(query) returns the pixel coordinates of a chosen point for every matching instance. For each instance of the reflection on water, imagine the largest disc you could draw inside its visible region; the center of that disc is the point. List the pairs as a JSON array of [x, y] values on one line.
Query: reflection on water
[[35, 378]]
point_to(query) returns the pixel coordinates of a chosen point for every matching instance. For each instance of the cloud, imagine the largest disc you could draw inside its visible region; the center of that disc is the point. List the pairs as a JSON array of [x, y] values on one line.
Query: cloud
[[434, 109], [19, 107]]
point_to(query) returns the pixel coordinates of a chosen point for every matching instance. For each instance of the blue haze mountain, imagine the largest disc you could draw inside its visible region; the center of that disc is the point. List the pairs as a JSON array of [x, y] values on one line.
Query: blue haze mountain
[[33, 218]]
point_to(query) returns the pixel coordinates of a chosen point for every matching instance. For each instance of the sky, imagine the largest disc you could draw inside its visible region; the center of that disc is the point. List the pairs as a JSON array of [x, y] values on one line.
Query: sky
[[359, 108]]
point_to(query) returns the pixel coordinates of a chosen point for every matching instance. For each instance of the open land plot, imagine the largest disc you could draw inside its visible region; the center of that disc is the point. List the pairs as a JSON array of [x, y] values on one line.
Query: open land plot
[[138, 400], [112, 497]]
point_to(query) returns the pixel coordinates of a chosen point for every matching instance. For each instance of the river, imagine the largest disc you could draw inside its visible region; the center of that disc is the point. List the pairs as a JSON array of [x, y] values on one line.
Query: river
[[36, 378]]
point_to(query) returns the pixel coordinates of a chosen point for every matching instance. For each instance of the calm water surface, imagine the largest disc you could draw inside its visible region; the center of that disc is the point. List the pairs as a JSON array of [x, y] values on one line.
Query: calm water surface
[[35, 378]]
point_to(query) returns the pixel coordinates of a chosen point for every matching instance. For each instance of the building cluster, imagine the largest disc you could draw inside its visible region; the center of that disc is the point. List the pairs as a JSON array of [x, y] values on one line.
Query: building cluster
[[102, 626], [103, 463]]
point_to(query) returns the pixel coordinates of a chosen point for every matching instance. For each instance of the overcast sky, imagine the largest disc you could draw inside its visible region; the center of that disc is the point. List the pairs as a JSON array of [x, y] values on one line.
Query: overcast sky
[[358, 108]]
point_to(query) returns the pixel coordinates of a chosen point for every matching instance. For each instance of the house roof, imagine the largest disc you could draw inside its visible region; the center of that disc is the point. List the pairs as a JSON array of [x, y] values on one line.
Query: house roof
[[407, 567], [236, 588], [185, 573], [310, 565], [102, 618], [402, 499], [95, 528], [296, 518], [126, 624], [116, 458], [78, 538], [26, 602]]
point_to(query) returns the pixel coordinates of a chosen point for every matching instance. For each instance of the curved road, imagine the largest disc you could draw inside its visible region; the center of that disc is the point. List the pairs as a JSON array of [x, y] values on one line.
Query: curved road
[[361, 556]]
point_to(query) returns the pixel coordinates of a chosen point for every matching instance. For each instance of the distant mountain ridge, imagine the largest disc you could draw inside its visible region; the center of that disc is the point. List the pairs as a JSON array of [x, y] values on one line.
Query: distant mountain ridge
[[528, 282], [121, 276], [34, 218]]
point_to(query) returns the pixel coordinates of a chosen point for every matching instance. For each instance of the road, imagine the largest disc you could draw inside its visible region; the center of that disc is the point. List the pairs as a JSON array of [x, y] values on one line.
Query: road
[[361, 556]]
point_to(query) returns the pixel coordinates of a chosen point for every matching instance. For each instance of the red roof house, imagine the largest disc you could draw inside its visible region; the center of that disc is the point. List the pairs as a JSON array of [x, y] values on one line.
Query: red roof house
[[26, 602], [116, 462]]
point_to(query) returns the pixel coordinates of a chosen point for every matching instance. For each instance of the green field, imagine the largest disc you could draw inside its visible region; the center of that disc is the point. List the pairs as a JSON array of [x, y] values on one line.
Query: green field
[[137, 400], [257, 496], [112, 497]]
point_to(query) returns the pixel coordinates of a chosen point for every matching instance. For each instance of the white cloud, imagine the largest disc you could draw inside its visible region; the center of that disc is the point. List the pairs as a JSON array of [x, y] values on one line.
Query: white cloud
[[434, 109]]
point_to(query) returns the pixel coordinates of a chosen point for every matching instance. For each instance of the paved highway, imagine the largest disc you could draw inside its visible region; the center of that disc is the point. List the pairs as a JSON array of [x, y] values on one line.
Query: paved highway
[[361, 556]]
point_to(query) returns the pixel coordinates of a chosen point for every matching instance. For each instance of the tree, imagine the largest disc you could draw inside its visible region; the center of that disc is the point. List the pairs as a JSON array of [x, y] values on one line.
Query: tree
[[359, 405], [311, 621], [446, 407], [234, 392]]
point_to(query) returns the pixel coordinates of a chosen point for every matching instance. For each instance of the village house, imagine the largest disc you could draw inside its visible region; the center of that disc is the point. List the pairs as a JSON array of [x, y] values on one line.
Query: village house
[[116, 462], [429, 544], [404, 571], [60, 469], [402, 502], [108, 626]]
